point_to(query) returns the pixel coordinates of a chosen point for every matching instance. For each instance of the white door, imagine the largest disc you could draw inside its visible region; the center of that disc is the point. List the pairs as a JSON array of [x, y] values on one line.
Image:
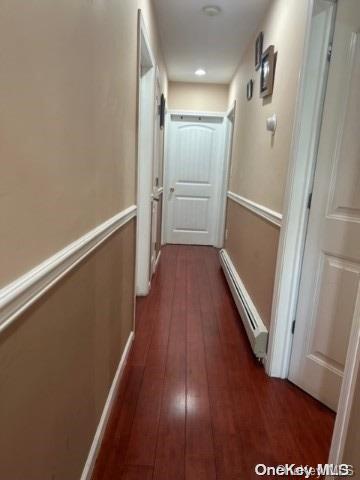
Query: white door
[[329, 292], [155, 176], [194, 177]]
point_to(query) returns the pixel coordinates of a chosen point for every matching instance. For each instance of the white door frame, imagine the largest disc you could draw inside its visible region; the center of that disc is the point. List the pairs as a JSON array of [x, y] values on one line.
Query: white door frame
[[220, 224], [228, 138], [155, 188], [145, 156], [299, 185]]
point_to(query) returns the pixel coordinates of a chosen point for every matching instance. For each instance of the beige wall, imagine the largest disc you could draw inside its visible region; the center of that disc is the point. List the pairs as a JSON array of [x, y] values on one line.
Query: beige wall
[[260, 161], [149, 16], [67, 121], [57, 363], [252, 245], [198, 96], [68, 163]]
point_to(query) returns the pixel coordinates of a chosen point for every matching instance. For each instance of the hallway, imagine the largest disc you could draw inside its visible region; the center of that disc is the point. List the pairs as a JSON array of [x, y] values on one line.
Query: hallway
[[194, 403]]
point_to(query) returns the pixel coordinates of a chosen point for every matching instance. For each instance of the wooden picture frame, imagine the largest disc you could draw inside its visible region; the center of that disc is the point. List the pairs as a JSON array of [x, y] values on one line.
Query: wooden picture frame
[[162, 111], [249, 89], [267, 73], [259, 50]]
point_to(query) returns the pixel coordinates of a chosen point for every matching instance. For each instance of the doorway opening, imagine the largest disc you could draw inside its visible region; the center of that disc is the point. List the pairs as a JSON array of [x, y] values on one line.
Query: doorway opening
[[157, 181], [145, 158]]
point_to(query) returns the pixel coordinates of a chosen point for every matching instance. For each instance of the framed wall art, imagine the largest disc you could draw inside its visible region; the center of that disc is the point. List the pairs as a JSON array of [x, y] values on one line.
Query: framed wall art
[[162, 111], [267, 72], [249, 89], [259, 50]]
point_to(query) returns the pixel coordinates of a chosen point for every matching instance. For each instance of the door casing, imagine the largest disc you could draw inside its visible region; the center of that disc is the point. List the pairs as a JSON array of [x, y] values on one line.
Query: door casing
[[298, 187], [229, 138], [157, 189]]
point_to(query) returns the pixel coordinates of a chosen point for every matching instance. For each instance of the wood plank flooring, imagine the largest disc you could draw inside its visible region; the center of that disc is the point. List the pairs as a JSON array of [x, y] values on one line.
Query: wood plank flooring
[[194, 403]]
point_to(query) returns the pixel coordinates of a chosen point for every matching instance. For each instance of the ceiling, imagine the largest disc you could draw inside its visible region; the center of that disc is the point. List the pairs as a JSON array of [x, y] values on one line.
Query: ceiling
[[192, 40]]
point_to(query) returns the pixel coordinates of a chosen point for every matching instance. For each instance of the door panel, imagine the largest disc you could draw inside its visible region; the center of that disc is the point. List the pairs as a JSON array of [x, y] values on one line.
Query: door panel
[[194, 176], [194, 145], [329, 337], [345, 194], [330, 285], [191, 213]]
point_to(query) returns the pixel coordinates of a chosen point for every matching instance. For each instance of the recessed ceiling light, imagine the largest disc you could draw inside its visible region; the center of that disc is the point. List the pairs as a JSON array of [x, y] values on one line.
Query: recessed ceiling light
[[200, 72], [212, 10]]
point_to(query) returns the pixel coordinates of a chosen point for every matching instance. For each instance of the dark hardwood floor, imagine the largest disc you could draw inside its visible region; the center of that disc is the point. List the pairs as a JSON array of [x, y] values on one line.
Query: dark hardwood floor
[[194, 403]]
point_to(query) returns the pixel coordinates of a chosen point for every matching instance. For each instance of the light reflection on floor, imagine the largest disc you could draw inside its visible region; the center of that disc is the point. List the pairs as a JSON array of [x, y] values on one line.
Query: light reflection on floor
[[182, 402]]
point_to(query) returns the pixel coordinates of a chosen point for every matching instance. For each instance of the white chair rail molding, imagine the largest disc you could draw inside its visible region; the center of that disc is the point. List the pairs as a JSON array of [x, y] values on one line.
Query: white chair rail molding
[[19, 295]]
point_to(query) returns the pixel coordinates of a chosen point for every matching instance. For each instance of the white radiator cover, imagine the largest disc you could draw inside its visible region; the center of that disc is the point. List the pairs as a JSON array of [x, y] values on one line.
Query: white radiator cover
[[254, 326]]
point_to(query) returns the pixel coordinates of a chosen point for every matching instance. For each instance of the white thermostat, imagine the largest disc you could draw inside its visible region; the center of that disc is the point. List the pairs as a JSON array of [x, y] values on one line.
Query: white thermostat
[[271, 124]]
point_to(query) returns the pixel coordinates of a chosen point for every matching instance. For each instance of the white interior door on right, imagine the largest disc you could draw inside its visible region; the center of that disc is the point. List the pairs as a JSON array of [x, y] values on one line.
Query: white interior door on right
[[329, 299], [194, 177]]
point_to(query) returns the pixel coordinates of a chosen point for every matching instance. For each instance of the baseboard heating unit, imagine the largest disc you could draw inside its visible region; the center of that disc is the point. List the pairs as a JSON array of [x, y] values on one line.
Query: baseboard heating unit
[[254, 326]]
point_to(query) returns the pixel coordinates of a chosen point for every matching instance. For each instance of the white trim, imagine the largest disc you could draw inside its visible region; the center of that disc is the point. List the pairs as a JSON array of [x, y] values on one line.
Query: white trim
[[264, 212], [157, 261], [165, 178], [230, 114], [193, 113], [293, 233], [220, 204], [19, 295], [96, 444], [143, 31], [229, 124]]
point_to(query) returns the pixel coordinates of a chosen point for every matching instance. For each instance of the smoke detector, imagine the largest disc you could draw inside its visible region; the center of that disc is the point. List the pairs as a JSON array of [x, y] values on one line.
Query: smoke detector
[[211, 10]]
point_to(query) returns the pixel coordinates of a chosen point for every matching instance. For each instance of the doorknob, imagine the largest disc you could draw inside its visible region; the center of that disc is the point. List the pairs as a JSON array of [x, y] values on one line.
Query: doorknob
[[172, 189]]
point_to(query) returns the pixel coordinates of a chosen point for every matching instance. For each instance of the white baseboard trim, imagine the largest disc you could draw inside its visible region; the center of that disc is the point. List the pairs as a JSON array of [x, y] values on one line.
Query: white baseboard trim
[[157, 261], [264, 212], [19, 295], [100, 431]]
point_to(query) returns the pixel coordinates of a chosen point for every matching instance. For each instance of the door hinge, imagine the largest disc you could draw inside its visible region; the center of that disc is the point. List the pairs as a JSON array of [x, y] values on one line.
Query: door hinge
[[329, 52], [309, 201], [293, 327]]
